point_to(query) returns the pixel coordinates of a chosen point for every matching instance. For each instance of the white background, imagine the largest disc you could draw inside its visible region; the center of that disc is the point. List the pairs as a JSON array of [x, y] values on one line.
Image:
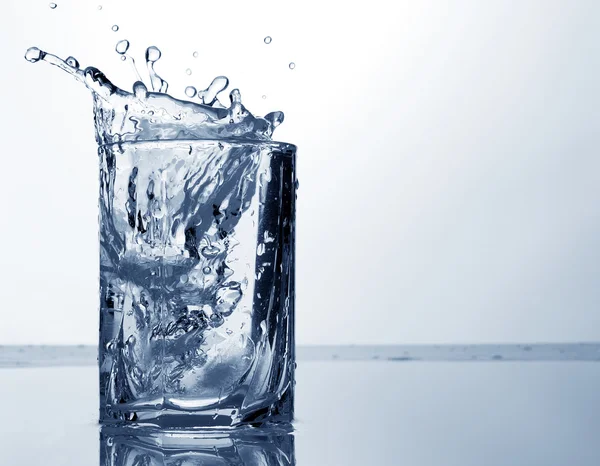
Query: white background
[[448, 159]]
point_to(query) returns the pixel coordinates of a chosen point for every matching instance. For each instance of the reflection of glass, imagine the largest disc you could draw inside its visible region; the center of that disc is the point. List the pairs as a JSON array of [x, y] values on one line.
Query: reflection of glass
[[252, 447], [197, 283]]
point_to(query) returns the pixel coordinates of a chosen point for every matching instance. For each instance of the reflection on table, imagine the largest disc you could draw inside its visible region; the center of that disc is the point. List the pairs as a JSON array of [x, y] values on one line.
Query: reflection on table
[[252, 447]]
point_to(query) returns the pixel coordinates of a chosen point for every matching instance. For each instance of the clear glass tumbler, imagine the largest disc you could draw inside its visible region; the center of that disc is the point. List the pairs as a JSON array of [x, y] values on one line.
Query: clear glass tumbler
[[197, 283]]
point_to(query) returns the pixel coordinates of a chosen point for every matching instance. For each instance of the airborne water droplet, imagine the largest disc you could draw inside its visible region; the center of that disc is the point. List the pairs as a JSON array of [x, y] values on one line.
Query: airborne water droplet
[[195, 54], [268, 40], [152, 54], [206, 270], [115, 28], [122, 47], [190, 91], [34, 54], [264, 96], [188, 72], [292, 65], [99, 7], [53, 5]]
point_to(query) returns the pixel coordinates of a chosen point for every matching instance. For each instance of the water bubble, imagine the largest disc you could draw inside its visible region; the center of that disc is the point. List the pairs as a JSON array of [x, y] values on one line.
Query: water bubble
[[206, 269], [123, 58], [34, 54], [216, 320], [122, 47], [188, 71], [131, 340], [153, 54], [72, 62], [183, 278], [264, 96], [195, 54], [53, 5], [115, 27], [190, 91], [268, 40], [227, 298], [292, 65], [99, 7]]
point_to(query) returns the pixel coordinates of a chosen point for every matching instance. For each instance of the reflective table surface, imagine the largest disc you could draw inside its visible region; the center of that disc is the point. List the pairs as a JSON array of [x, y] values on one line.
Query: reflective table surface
[[349, 412]]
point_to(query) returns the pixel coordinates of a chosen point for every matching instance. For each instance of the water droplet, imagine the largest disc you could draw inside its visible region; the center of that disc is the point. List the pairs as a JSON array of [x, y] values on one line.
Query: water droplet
[[123, 58], [292, 65], [190, 91], [53, 5], [72, 62], [195, 54], [131, 340], [264, 96], [260, 249], [115, 28], [183, 278], [268, 40], [34, 54], [229, 331], [153, 54], [140, 90], [99, 7], [206, 270], [188, 72], [122, 46]]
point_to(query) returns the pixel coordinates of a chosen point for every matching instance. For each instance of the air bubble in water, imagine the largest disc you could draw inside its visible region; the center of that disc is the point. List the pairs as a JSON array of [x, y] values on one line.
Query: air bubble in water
[[188, 71], [53, 5], [292, 65], [115, 27], [34, 54], [195, 54], [268, 40], [72, 62], [227, 298], [122, 47], [190, 91]]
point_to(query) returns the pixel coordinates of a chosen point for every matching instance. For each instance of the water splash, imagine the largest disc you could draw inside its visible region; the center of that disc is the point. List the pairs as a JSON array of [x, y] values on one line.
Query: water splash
[[151, 115]]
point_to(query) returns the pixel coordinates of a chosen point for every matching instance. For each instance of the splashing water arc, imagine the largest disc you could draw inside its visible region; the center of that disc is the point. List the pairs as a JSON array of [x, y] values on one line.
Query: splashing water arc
[[154, 115]]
